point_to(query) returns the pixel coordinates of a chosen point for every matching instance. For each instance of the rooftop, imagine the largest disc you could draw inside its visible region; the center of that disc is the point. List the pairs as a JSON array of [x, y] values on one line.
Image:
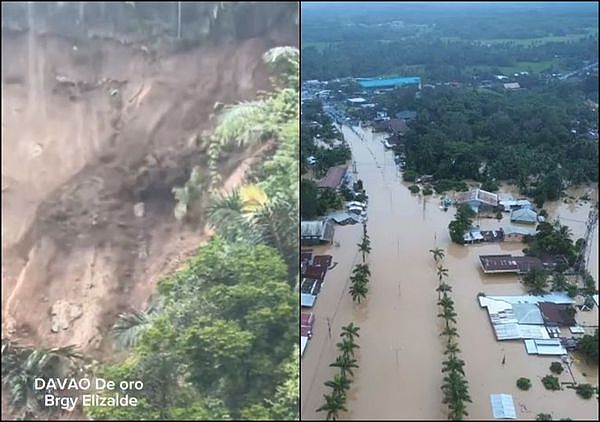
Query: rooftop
[[388, 82], [479, 195], [333, 178]]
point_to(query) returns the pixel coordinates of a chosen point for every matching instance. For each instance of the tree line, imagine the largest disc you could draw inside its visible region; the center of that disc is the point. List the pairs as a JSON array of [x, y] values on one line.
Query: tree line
[[455, 386]]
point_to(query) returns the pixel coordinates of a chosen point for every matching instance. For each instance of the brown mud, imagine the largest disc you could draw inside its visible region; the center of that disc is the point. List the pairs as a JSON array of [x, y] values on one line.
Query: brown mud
[[400, 351]]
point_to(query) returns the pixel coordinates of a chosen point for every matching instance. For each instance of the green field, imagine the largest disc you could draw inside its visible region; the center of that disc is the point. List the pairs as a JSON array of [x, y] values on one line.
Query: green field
[[528, 41], [318, 45]]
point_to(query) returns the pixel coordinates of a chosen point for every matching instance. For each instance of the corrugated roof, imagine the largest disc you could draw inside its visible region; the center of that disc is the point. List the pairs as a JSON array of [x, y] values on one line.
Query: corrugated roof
[[307, 300], [503, 406], [333, 178], [480, 195], [388, 82], [524, 214], [551, 347]]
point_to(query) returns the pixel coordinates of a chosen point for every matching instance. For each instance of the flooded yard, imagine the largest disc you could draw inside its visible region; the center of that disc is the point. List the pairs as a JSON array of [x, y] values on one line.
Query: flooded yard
[[400, 355]]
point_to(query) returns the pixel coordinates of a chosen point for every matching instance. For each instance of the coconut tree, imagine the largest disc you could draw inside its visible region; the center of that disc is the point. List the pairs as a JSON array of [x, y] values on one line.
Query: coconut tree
[[451, 348], [345, 363], [339, 384], [438, 254], [350, 332], [347, 347], [453, 364], [364, 247], [448, 315], [441, 273], [362, 269], [358, 291], [450, 332], [443, 288], [334, 403], [20, 367]]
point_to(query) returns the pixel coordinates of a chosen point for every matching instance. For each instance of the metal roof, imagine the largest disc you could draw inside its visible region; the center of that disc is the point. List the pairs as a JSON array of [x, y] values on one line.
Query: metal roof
[[388, 82], [306, 300], [551, 347], [503, 406], [525, 214]]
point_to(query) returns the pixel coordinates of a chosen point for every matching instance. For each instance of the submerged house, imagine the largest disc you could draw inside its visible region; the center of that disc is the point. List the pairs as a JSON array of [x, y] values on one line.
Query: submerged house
[[517, 234], [478, 199], [316, 232], [524, 215], [334, 177]]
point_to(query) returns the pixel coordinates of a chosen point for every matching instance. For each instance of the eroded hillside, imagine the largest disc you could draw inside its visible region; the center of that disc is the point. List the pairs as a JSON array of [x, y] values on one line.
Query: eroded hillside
[[89, 130]]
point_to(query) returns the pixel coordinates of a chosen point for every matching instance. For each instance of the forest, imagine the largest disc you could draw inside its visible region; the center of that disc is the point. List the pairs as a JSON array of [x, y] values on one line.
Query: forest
[[446, 43], [483, 135]]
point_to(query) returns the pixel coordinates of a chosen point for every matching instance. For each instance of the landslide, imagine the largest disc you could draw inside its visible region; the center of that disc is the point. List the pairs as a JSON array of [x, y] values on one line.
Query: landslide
[[89, 130]]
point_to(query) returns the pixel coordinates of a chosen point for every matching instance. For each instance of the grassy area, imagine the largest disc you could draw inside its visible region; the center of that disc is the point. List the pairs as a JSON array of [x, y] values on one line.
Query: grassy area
[[528, 41], [318, 45], [529, 66]]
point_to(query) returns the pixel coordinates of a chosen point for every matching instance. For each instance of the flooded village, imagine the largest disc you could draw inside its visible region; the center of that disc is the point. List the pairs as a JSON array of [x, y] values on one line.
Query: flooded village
[[505, 333]]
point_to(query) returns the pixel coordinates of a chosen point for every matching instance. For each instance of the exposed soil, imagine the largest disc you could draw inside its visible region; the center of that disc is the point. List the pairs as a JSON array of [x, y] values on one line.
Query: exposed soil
[[88, 131]]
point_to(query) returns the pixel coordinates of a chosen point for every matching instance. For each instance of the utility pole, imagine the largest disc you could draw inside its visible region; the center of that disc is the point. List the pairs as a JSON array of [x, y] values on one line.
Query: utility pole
[[178, 20]]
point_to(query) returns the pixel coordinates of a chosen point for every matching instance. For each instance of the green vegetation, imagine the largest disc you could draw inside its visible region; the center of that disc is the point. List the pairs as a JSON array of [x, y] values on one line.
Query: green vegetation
[[414, 188], [445, 185], [409, 176], [543, 417], [21, 365], [556, 367], [586, 391], [536, 281], [455, 386], [336, 400], [427, 191], [551, 383], [461, 223], [524, 383], [220, 340], [552, 240], [588, 347], [361, 272], [465, 134]]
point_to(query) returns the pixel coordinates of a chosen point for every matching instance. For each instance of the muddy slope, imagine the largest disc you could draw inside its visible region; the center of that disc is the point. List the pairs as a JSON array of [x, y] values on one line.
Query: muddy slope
[[88, 131]]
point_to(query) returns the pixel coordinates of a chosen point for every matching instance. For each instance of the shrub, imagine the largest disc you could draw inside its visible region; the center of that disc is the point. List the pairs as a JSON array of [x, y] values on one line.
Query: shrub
[[409, 176], [551, 382], [524, 383], [556, 367], [414, 188], [543, 417], [585, 390], [427, 190], [490, 186]]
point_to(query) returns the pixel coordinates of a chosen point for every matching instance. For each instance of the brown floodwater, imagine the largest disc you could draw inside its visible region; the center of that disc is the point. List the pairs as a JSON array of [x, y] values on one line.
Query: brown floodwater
[[400, 353]]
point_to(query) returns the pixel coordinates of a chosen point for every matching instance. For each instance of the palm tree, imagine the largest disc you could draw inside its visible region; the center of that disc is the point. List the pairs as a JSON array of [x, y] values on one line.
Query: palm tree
[[21, 365], [251, 123], [362, 269], [350, 332], [347, 347], [334, 403], [453, 364], [443, 288], [345, 363], [358, 291], [130, 325], [438, 254], [451, 349], [446, 302], [450, 332], [441, 273], [364, 248], [339, 384], [449, 315]]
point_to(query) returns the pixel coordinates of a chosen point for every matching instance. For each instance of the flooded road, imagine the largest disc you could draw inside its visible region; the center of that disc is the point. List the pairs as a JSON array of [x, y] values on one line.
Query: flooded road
[[400, 354]]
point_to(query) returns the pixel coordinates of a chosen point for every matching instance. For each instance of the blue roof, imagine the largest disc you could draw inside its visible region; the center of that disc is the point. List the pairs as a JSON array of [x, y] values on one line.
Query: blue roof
[[388, 82]]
